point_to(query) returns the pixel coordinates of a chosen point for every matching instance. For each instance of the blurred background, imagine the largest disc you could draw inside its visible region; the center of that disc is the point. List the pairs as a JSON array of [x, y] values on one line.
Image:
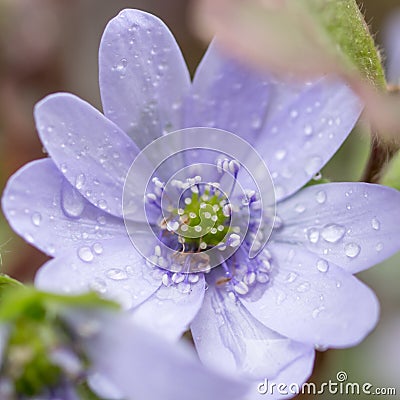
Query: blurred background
[[48, 46]]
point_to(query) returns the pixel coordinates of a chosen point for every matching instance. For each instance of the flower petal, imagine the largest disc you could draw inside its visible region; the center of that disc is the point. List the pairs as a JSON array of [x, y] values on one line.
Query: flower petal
[[92, 153], [119, 273], [42, 206], [291, 377], [143, 76], [353, 225], [325, 306], [295, 127], [392, 46], [229, 338], [144, 366], [171, 309]]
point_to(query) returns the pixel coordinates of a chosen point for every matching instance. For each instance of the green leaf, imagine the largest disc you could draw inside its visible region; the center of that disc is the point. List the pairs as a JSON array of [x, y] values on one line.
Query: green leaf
[[32, 303], [7, 283], [392, 177], [345, 26]]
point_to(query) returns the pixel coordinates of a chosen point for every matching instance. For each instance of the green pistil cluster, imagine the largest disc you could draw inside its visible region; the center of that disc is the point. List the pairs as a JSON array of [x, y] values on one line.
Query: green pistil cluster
[[203, 221]]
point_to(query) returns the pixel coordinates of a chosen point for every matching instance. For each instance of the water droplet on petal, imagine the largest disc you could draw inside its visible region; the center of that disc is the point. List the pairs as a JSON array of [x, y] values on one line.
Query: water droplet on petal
[[303, 287], [116, 274], [352, 250], [102, 204], [64, 168], [332, 233], [291, 277], [322, 265], [308, 130], [280, 154], [320, 197], [313, 235], [80, 181], [72, 202], [36, 219], [85, 254], [379, 247], [300, 208], [375, 224], [97, 248], [317, 311]]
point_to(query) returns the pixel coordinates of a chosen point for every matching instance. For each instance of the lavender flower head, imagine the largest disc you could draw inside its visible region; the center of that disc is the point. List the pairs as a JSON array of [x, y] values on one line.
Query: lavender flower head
[[257, 316]]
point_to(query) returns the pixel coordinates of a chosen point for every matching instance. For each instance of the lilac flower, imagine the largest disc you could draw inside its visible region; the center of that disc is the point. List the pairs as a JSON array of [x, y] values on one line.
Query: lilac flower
[[261, 317]]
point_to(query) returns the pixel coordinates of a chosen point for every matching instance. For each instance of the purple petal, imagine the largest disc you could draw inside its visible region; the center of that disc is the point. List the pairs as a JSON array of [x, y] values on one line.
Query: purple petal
[[92, 153], [295, 374], [171, 309], [313, 301], [143, 76], [226, 95], [296, 128], [229, 338], [353, 225], [42, 207], [144, 366], [392, 47], [300, 139], [116, 271]]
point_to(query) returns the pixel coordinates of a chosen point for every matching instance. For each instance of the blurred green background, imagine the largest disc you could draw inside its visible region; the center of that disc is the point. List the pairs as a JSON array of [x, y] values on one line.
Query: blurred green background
[[51, 45]]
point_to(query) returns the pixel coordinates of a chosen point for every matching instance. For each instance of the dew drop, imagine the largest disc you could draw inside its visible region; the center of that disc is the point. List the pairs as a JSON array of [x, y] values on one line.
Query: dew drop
[[300, 208], [313, 235], [64, 168], [375, 224], [322, 265], [280, 298], [352, 250], [97, 248], [320, 197], [294, 114], [36, 219], [291, 277], [121, 66], [304, 287], [280, 154], [308, 130], [102, 204], [379, 247], [85, 254], [117, 274], [332, 233], [80, 181], [72, 202]]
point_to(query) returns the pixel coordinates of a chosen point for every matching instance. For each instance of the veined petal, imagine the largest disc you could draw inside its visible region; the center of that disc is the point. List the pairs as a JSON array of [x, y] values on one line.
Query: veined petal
[[145, 366], [292, 377], [295, 127], [313, 301], [353, 225], [143, 76], [43, 207], [117, 272], [91, 151], [171, 309], [229, 338]]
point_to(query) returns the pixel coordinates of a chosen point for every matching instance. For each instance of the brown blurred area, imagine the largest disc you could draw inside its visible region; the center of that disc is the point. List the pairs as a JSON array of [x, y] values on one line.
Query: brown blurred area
[[48, 46]]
